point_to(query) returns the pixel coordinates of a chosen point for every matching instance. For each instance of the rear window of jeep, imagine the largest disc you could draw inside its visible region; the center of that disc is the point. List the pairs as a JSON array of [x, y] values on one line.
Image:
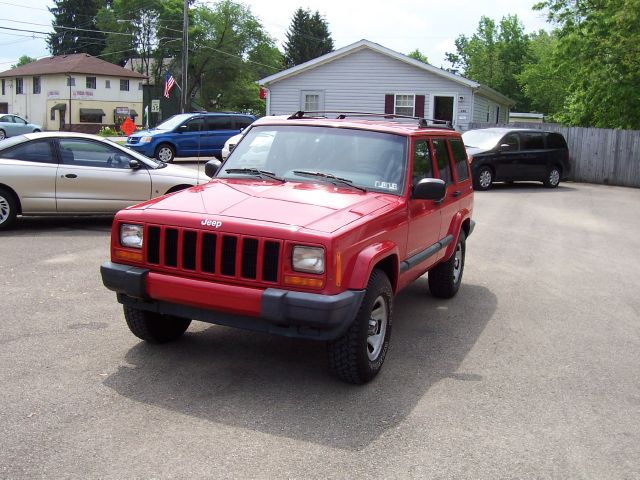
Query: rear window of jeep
[[372, 160]]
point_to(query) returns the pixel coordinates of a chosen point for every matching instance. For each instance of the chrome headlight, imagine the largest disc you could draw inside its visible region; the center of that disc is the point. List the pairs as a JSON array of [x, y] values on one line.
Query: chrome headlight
[[131, 235], [146, 139], [308, 259]]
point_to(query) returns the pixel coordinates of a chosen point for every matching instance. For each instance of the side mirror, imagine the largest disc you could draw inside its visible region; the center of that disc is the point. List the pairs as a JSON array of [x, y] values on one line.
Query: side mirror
[[505, 147], [429, 189], [212, 167], [182, 128], [134, 164]]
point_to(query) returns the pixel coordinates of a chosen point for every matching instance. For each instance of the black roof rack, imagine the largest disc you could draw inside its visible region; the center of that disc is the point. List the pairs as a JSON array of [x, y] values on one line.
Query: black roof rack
[[341, 115]]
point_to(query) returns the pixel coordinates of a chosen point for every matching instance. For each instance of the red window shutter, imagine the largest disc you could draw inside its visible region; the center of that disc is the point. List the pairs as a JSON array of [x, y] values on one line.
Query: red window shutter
[[389, 105], [420, 106]]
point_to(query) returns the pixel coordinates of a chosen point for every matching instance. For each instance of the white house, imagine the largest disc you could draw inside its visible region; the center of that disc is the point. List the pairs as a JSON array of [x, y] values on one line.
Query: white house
[[368, 77], [77, 92]]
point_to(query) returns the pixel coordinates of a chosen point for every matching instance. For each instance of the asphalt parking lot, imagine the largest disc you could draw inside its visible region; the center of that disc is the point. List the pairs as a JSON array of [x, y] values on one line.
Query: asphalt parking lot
[[532, 371]]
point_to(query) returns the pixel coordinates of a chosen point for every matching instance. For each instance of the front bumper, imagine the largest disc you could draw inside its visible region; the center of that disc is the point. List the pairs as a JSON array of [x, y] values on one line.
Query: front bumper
[[143, 148], [271, 310]]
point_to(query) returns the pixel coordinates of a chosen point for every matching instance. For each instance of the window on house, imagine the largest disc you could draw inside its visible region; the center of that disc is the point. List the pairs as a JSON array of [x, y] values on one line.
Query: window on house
[[36, 85], [124, 85], [107, 84], [91, 115], [91, 83], [311, 101], [3, 87], [19, 86], [405, 105], [71, 82]]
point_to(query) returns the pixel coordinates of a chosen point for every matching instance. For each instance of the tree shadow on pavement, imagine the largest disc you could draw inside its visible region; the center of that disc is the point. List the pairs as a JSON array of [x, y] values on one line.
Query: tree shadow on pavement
[[281, 386]]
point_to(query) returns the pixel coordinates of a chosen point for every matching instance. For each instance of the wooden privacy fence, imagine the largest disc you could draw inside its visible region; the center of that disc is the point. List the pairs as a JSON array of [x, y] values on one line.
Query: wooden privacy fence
[[598, 155]]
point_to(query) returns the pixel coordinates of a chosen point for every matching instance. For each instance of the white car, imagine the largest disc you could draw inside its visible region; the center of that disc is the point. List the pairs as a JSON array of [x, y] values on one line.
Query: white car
[[63, 173], [229, 145]]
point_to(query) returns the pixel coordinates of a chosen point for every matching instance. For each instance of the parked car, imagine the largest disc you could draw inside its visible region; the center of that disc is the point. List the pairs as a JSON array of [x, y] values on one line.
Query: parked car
[[189, 135], [61, 173], [513, 154], [12, 125], [229, 145], [309, 230]]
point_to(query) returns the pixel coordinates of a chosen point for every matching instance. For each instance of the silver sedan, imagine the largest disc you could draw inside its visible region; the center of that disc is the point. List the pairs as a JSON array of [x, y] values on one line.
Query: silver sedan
[[11, 125], [58, 173]]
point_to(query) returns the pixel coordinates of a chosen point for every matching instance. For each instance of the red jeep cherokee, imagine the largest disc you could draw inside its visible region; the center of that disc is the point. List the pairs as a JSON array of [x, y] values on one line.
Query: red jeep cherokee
[[308, 230]]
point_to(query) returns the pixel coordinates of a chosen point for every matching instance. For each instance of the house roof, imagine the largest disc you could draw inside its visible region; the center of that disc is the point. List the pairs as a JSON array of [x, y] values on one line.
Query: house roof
[[366, 44], [75, 63]]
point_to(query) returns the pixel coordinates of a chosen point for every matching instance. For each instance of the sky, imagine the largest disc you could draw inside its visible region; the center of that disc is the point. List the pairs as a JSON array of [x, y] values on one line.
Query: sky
[[401, 25]]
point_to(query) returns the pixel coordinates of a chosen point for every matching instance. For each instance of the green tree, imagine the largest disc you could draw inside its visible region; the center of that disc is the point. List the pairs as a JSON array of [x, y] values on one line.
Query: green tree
[[308, 37], [598, 45], [418, 55], [23, 60], [494, 55], [543, 79], [75, 28]]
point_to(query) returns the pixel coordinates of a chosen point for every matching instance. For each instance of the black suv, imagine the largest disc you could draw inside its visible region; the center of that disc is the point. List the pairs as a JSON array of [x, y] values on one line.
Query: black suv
[[510, 154]]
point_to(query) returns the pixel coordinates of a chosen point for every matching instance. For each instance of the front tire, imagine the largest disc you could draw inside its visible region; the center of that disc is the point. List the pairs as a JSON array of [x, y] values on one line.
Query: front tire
[[165, 153], [483, 179], [552, 180], [358, 355], [445, 279], [8, 209], [3, 134], [154, 327]]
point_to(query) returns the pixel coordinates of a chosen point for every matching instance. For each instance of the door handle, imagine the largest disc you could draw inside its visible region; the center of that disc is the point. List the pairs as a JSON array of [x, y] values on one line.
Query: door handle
[[456, 193], [71, 175]]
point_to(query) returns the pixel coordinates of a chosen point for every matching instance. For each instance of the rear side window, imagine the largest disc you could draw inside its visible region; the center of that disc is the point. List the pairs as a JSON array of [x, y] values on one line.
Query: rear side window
[[220, 123], [38, 151], [442, 157], [460, 159], [555, 140], [422, 165], [532, 141]]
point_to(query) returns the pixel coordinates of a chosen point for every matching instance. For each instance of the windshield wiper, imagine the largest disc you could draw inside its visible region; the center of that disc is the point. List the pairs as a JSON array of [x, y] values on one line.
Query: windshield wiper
[[328, 176], [255, 171]]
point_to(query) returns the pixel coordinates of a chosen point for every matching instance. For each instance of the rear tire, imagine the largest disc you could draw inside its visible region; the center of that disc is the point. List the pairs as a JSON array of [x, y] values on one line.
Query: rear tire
[[165, 153], [8, 209], [483, 179], [154, 327], [445, 279], [358, 355], [552, 180]]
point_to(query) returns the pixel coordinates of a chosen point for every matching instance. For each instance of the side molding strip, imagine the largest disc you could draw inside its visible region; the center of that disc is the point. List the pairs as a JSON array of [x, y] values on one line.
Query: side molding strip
[[423, 255]]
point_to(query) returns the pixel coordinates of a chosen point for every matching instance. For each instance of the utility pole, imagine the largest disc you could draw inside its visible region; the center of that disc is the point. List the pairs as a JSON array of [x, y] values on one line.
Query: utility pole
[[185, 57]]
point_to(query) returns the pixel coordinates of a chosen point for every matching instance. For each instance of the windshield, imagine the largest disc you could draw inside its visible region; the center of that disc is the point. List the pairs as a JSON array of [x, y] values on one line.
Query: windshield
[[484, 139], [372, 161], [172, 122]]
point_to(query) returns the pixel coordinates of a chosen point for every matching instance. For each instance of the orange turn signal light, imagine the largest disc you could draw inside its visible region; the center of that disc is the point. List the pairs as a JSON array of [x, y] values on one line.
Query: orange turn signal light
[[303, 282], [126, 255]]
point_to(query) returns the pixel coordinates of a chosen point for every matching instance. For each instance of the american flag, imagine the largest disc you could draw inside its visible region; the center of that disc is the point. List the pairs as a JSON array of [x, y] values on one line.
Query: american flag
[[169, 83]]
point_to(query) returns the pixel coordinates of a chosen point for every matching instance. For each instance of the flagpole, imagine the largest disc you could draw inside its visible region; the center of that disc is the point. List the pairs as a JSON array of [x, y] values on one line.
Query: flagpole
[[185, 56]]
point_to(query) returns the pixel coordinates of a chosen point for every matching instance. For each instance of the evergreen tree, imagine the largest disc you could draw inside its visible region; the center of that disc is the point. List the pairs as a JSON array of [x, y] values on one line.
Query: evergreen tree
[[75, 28], [308, 37]]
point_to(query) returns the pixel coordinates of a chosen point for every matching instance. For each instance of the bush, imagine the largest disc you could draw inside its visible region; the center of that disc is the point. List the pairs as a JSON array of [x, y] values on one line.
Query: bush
[[108, 132]]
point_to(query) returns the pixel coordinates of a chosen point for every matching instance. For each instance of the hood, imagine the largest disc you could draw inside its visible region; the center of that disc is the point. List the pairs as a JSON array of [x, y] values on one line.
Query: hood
[[322, 208], [148, 133], [178, 171], [477, 151]]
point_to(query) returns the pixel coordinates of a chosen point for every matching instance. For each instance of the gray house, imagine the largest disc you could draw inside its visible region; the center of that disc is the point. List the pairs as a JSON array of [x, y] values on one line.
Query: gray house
[[367, 77]]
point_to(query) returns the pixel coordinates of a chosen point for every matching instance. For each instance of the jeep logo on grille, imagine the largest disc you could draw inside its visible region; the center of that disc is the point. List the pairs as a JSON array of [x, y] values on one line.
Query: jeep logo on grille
[[211, 223]]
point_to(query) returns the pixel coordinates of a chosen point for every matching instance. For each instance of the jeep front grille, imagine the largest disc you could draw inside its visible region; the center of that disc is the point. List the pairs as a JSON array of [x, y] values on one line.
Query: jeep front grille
[[220, 255]]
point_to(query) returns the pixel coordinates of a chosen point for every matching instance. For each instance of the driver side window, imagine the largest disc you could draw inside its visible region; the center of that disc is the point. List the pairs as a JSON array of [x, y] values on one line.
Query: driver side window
[[422, 165], [86, 153]]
